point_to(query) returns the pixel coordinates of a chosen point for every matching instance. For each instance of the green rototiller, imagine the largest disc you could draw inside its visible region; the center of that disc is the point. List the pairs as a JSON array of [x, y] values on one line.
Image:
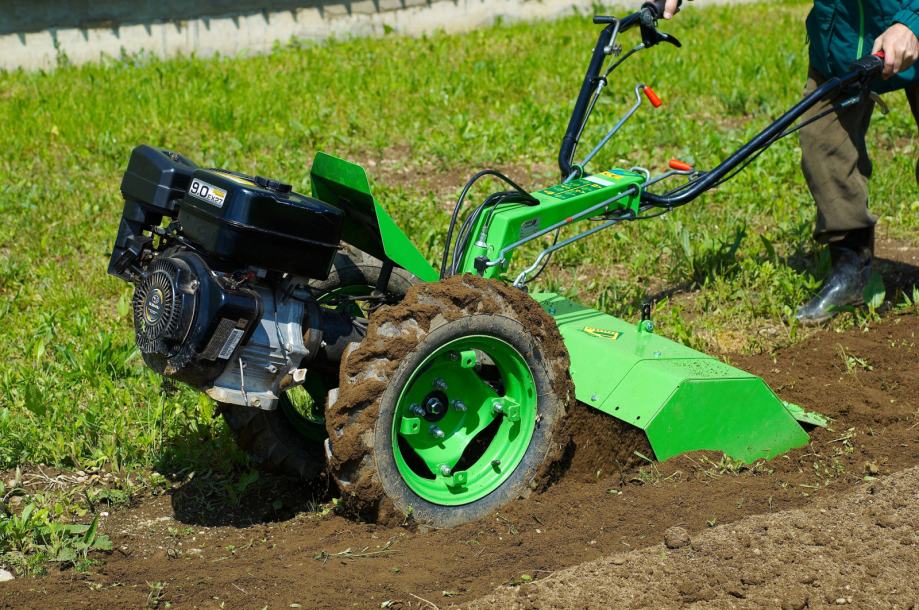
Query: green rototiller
[[332, 345]]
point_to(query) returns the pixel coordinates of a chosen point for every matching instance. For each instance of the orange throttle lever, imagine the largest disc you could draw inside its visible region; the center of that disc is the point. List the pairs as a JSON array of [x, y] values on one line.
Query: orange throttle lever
[[680, 166], [652, 97]]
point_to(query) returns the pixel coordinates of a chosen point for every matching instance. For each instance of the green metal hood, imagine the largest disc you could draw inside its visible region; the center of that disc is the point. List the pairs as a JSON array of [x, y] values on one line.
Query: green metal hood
[[368, 226], [684, 400]]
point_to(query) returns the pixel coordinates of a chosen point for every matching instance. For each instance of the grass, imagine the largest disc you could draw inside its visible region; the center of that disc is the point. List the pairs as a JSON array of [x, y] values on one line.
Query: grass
[[73, 391]]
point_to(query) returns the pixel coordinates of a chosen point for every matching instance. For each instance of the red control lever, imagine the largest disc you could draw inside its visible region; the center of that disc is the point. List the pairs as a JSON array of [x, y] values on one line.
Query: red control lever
[[680, 166], [652, 97]]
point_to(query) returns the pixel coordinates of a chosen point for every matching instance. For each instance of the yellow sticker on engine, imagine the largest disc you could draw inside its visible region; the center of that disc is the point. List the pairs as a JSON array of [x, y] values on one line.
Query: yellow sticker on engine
[[602, 333]]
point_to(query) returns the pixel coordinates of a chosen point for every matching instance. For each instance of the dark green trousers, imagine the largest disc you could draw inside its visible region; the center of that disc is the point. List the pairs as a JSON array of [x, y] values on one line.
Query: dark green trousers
[[837, 168]]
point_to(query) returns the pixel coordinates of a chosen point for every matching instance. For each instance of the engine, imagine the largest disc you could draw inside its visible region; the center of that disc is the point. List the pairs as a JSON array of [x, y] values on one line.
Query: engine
[[221, 264]]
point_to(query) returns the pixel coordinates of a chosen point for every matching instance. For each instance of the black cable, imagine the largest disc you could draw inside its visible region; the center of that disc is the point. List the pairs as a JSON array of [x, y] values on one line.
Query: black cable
[[784, 134], [527, 198], [628, 54], [596, 97], [462, 238]]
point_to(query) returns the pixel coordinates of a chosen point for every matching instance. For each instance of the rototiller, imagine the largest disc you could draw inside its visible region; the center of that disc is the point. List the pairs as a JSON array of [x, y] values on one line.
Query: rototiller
[[331, 344]]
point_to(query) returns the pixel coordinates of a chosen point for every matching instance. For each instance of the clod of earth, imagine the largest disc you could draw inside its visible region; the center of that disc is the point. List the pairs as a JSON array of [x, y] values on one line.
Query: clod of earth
[[676, 537]]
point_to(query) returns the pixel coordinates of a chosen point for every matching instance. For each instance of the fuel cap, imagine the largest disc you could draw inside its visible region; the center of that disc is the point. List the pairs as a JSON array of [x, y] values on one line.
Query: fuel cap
[[273, 185]]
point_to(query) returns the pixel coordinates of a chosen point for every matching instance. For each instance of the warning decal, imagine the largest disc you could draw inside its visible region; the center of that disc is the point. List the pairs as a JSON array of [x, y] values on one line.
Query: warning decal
[[602, 333]]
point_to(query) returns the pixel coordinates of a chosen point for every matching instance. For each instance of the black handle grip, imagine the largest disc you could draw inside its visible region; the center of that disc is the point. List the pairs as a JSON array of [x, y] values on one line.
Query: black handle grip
[[870, 65], [656, 7]]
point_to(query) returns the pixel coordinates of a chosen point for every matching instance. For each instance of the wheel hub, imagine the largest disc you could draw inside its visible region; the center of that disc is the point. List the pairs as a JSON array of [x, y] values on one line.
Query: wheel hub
[[435, 406], [461, 429]]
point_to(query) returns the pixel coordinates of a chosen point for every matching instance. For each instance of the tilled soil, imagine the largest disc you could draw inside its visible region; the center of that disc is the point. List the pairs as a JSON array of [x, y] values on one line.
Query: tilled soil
[[167, 551], [858, 548]]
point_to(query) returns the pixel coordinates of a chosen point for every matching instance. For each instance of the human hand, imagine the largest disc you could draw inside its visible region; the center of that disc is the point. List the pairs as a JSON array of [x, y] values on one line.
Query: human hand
[[900, 46], [671, 8]]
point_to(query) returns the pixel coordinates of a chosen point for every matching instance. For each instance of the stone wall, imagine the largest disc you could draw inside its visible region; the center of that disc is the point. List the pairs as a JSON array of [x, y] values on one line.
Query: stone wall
[[34, 34]]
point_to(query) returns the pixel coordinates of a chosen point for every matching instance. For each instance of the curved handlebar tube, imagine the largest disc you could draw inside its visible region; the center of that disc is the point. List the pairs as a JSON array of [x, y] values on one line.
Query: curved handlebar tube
[[569, 142], [646, 19], [862, 72]]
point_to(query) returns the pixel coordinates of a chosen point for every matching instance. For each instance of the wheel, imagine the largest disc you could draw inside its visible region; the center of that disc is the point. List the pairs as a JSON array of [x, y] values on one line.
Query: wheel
[[452, 406], [289, 439]]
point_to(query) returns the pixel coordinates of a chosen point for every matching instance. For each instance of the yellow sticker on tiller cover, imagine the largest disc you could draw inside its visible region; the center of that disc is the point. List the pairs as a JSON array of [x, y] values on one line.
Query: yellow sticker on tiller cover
[[602, 333]]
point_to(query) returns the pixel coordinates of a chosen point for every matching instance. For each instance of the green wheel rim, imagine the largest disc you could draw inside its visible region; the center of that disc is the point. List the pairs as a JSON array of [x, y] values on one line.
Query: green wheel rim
[[474, 446]]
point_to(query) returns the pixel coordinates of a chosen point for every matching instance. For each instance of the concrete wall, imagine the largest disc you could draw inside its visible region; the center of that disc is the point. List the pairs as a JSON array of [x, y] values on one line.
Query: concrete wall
[[33, 33]]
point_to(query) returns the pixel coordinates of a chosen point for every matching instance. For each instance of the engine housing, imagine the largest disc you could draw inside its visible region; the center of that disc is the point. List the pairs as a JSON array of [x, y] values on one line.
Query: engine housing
[[221, 292]]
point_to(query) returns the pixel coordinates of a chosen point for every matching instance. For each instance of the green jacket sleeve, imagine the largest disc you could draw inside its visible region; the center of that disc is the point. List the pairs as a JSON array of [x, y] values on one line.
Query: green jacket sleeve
[[909, 16]]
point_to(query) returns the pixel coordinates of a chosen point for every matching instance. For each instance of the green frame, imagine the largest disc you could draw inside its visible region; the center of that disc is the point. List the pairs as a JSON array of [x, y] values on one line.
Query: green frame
[[682, 399]]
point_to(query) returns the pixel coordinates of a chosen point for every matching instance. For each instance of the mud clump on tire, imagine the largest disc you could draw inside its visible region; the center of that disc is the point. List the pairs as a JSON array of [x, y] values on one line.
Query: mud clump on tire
[[394, 332]]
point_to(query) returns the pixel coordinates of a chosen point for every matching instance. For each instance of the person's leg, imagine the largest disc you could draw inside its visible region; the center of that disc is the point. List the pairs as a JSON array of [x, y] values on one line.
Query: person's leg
[[912, 94], [834, 159]]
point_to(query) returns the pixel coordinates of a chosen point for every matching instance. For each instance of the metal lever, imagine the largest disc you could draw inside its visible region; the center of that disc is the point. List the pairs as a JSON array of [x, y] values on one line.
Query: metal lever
[[639, 89]]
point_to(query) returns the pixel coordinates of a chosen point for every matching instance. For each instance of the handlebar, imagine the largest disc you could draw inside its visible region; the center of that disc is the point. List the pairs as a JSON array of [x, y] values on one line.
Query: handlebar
[[861, 73], [657, 7], [645, 18]]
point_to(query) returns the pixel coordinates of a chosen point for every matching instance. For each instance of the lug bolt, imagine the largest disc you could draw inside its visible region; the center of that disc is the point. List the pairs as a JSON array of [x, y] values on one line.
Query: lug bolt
[[417, 409], [440, 384], [459, 405], [445, 470], [437, 432], [498, 408]]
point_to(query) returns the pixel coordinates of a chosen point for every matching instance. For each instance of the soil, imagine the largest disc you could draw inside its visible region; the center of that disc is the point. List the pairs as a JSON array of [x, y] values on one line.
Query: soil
[[857, 548], [195, 549]]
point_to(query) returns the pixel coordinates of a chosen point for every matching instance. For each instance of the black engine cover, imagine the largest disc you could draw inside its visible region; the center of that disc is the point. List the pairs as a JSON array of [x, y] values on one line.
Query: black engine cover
[[259, 222], [189, 322], [152, 186]]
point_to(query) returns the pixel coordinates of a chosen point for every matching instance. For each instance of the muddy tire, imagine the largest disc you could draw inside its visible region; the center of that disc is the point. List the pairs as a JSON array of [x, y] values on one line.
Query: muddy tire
[[282, 441], [383, 457]]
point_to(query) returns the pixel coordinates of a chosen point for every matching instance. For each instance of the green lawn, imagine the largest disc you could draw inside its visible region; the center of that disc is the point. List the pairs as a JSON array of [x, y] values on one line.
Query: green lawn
[[73, 391]]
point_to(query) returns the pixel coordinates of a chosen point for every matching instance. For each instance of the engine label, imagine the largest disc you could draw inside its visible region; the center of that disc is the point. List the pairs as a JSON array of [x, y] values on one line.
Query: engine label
[[213, 195], [232, 341], [223, 341]]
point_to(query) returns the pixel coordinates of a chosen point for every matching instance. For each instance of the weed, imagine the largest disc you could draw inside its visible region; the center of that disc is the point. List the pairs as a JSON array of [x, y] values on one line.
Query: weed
[[155, 595], [32, 537], [852, 362], [386, 549]]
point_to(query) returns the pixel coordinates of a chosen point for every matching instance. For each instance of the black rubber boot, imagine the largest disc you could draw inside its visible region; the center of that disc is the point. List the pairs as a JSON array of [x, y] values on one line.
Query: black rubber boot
[[844, 286]]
